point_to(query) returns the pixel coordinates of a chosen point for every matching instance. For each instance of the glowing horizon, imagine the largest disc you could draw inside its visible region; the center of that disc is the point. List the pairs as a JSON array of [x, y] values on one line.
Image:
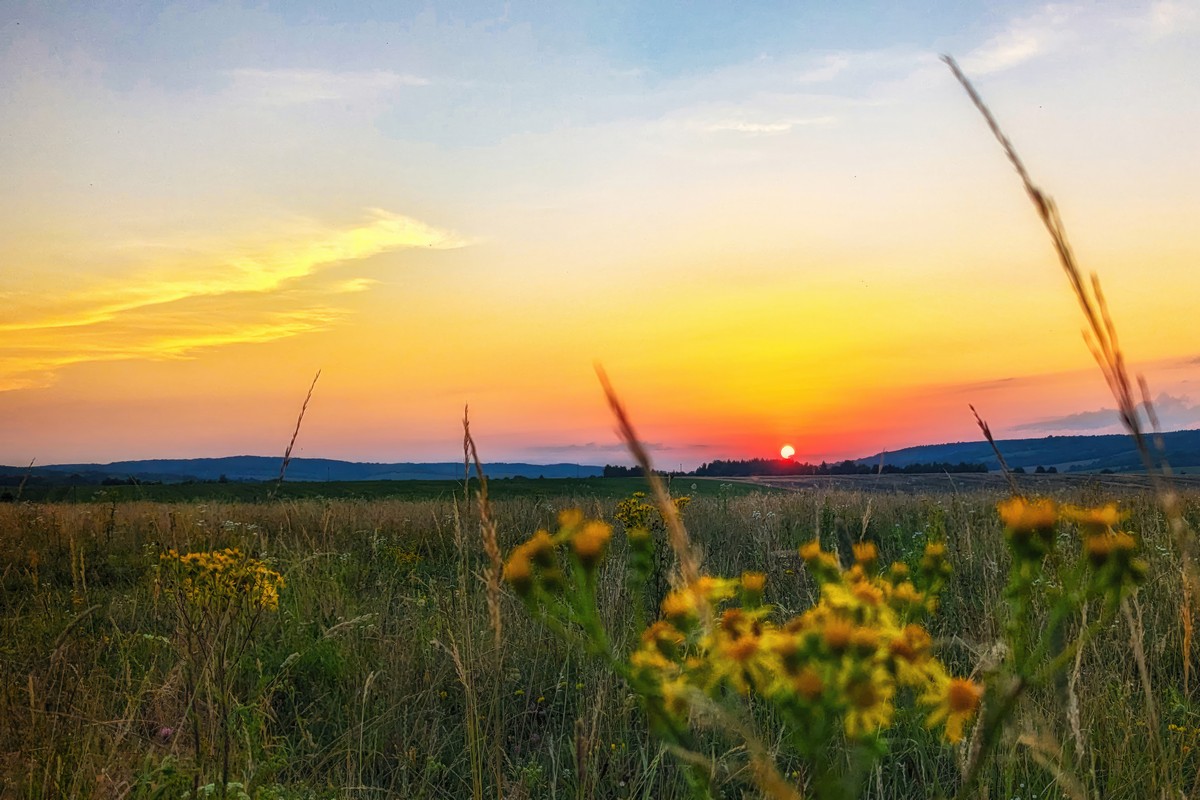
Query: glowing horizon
[[768, 225]]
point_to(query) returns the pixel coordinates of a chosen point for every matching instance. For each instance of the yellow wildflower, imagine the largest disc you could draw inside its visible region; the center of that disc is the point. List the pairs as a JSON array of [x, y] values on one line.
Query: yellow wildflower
[[1096, 520], [570, 518], [679, 606], [590, 542], [954, 701], [1020, 514], [1101, 547], [753, 581], [518, 571], [866, 554], [869, 703], [808, 684], [837, 633], [540, 548]]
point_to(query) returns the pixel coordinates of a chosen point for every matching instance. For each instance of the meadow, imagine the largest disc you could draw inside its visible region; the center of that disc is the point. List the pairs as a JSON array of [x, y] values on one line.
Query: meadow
[[1017, 637], [377, 675]]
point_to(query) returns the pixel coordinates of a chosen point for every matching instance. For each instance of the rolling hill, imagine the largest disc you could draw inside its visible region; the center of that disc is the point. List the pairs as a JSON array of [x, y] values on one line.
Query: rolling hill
[[1066, 453]]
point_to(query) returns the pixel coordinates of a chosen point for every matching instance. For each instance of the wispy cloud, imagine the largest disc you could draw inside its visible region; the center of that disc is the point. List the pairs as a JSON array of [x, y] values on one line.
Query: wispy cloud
[[197, 297], [1166, 18], [1173, 412], [259, 268], [759, 128], [301, 86], [1024, 39], [34, 362]]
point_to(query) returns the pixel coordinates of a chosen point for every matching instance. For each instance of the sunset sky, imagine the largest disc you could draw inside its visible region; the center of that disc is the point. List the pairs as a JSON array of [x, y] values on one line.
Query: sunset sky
[[770, 222]]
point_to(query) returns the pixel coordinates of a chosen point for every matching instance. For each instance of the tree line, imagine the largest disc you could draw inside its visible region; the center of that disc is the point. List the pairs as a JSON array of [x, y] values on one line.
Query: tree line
[[722, 468]]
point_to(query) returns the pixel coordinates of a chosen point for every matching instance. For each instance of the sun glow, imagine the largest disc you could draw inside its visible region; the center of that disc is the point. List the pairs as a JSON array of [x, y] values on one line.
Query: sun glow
[[787, 451]]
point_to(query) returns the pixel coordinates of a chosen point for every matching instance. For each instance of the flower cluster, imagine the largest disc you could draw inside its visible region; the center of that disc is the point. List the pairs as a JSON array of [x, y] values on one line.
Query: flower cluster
[[844, 659], [1112, 554], [534, 569], [636, 514], [838, 666], [222, 576]]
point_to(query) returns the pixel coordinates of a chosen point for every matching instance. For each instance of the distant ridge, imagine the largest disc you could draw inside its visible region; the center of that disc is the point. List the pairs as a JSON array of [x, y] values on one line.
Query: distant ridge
[[1113, 452], [1065, 453], [266, 468]]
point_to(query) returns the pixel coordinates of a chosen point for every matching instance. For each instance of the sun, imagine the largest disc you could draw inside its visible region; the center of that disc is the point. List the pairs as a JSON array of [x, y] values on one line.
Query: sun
[[787, 451]]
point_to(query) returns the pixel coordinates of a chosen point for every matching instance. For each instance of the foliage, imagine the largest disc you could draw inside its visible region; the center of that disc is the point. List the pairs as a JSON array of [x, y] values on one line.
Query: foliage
[[219, 598]]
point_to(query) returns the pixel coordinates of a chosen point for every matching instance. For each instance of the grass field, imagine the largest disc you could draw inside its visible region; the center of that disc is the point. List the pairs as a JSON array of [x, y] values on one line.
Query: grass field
[[603, 488], [377, 675]]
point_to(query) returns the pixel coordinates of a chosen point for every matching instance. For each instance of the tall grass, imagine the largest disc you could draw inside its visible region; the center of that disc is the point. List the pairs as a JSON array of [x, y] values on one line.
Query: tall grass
[[348, 693]]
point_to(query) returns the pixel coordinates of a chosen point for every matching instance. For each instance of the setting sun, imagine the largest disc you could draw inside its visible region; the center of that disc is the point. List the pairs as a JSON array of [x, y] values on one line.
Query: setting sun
[[787, 451]]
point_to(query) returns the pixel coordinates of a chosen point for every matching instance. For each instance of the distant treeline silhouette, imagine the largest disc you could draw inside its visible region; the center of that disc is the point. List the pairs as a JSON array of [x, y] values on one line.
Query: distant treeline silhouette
[[720, 468]]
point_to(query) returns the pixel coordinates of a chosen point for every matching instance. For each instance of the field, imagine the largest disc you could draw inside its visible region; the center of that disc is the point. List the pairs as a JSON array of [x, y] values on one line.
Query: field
[[535, 488], [377, 673]]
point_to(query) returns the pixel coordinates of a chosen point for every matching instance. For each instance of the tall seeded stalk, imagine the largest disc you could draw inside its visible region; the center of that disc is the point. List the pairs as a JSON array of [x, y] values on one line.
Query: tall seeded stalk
[[763, 769], [287, 454], [491, 578], [1101, 337], [689, 565]]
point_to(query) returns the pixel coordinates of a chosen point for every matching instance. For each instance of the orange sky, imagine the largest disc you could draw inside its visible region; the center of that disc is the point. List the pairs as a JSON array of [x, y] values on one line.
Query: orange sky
[[762, 238]]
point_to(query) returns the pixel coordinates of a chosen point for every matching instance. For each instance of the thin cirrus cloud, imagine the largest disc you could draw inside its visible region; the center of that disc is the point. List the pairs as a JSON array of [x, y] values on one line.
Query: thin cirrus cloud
[[763, 127], [1173, 412], [1056, 27], [301, 86], [1024, 39], [262, 268], [268, 291]]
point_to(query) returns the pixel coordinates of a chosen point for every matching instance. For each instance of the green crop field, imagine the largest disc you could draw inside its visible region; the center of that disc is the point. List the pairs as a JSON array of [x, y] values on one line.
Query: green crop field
[[600, 488], [377, 675]]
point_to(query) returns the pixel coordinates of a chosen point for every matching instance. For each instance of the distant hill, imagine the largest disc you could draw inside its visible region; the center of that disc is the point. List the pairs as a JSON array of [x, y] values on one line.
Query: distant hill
[[266, 468], [1066, 453]]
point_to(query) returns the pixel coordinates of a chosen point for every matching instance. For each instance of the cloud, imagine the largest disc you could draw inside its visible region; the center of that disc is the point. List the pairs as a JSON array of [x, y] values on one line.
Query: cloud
[[201, 296], [35, 363], [1174, 412], [259, 268], [1058, 26], [285, 87], [1025, 39], [615, 448], [1166, 18], [758, 128]]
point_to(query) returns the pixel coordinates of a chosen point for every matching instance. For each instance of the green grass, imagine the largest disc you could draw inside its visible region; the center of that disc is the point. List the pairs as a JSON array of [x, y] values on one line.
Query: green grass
[[583, 488], [351, 690]]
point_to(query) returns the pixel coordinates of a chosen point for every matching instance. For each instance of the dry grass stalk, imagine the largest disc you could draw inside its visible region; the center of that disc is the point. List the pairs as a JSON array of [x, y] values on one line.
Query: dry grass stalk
[[1073, 717], [287, 454], [487, 527], [689, 565], [1045, 752], [491, 577], [987, 433], [1133, 615], [1101, 338], [25, 478]]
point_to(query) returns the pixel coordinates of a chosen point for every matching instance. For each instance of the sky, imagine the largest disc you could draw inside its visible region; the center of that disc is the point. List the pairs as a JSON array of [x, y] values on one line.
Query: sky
[[769, 222]]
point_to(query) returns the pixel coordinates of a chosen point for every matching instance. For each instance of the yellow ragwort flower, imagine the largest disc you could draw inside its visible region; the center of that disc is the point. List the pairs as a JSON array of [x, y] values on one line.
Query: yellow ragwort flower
[[865, 553], [954, 701], [518, 571], [1026, 516], [570, 518], [1095, 520], [753, 581], [590, 542], [868, 703]]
